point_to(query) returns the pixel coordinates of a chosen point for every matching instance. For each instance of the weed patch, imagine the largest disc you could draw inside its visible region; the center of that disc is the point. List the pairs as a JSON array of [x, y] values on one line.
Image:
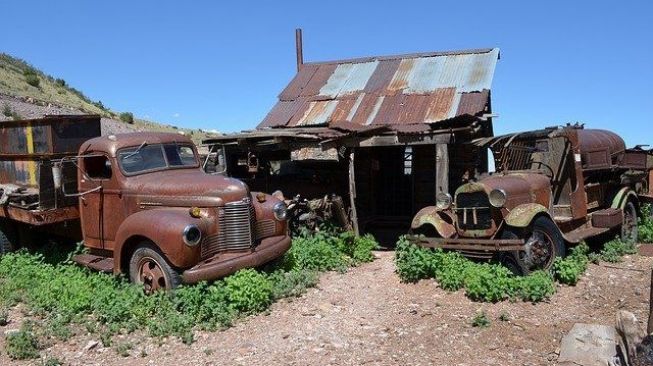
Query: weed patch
[[480, 320], [66, 297], [645, 226], [488, 282], [23, 344]]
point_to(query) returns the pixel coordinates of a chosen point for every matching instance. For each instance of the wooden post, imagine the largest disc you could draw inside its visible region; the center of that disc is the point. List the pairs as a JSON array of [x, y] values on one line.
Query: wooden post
[[352, 193], [441, 168], [649, 328]]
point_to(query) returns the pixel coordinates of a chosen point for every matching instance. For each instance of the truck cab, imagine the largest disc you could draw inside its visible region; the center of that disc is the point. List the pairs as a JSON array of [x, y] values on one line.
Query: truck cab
[[551, 188], [149, 211]]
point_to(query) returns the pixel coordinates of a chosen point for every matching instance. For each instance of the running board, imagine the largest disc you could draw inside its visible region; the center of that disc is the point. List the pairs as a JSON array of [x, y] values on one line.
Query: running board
[[102, 264], [584, 232]]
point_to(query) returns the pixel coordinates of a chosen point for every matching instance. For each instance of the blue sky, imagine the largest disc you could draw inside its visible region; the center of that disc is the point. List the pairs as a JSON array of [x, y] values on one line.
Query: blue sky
[[220, 65]]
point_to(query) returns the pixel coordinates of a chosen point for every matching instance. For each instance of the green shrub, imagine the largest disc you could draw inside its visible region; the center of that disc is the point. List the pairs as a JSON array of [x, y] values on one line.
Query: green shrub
[[62, 294], [6, 110], [60, 83], [569, 270], [615, 249], [482, 282], [292, 283], [33, 80], [127, 117], [23, 344], [316, 252], [480, 320], [646, 224], [248, 291], [537, 286]]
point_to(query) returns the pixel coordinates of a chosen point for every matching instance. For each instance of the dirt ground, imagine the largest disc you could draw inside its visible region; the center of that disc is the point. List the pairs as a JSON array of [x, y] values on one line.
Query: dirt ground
[[367, 317]]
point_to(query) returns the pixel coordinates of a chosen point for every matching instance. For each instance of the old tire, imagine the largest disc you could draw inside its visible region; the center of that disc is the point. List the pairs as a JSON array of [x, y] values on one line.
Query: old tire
[[149, 268], [629, 229], [544, 244]]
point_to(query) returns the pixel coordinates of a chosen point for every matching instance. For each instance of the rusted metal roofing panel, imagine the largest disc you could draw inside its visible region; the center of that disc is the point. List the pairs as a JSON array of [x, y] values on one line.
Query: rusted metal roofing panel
[[472, 103], [318, 113], [418, 88], [298, 83], [282, 113], [382, 76], [319, 78]]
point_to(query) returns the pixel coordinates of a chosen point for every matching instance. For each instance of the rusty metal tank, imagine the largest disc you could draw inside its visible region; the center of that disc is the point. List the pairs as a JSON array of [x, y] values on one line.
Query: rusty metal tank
[[600, 149]]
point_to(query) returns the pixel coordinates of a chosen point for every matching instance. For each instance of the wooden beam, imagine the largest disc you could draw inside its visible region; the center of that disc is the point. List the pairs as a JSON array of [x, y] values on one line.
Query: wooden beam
[[352, 193], [441, 168]]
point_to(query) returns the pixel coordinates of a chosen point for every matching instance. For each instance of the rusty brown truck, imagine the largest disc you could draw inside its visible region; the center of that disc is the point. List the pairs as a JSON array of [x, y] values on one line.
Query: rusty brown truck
[[551, 188], [139, 201]]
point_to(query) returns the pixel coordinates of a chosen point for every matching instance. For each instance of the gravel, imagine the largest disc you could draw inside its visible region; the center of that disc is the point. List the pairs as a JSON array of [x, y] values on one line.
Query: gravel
[[366, 316]]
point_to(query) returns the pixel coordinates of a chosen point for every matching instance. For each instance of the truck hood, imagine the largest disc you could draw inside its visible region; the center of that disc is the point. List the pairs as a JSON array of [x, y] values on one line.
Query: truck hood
[[185, 187], [519, 187]]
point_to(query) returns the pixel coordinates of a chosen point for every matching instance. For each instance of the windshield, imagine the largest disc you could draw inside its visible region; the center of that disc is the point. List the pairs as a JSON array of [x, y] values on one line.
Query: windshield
[[145, 158], [526, 154]]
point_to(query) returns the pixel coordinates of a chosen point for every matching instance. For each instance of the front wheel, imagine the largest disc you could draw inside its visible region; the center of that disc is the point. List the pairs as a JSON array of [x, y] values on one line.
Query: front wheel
[[544, 244], [629, 229], [148, 268]]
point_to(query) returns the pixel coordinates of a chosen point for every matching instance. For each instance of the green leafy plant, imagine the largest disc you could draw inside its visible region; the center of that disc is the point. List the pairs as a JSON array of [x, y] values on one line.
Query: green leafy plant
[[33, 80], [61, 294], [248, 291], [645, 226], [22, 344], [504, 316], [615, 249], [569, 270], [480, 320], [127, 117]]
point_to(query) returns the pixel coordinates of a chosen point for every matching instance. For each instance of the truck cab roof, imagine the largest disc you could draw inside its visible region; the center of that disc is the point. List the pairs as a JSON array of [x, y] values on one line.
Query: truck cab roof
[[112, 143]]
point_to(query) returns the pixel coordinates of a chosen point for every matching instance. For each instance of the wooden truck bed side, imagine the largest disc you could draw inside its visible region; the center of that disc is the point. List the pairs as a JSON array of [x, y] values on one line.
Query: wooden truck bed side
[[28, 149]]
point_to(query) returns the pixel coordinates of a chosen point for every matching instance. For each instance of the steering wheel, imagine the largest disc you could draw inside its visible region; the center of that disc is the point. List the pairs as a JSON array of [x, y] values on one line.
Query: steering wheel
[[542, 164]]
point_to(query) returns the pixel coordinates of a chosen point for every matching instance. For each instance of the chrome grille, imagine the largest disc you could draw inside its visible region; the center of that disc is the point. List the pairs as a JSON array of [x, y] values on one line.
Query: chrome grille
[[264, 228], [473, 211], [236, 223]]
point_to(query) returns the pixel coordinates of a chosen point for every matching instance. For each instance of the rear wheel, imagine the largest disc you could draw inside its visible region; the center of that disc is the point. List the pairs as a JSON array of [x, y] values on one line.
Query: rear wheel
[[148, 268], [629, 229]]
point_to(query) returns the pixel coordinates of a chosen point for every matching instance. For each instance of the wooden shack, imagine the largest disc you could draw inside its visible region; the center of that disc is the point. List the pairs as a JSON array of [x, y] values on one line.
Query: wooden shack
[[383, 132]]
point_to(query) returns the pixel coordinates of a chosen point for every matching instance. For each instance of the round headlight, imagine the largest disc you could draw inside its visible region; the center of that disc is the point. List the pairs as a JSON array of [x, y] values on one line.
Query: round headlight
[[498, 198], [280, 211], [443, 201], [192, 235]]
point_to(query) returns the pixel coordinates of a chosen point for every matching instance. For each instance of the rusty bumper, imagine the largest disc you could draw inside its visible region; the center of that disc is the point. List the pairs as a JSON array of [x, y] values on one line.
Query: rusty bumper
[[224, 264], [471, 244]]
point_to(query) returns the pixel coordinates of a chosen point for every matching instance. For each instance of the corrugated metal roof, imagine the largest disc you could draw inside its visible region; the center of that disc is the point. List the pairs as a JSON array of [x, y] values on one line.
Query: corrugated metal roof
[[406, 89]]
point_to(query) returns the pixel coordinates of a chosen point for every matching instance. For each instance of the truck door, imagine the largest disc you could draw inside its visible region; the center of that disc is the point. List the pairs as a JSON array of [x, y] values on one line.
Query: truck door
[[94, 178]]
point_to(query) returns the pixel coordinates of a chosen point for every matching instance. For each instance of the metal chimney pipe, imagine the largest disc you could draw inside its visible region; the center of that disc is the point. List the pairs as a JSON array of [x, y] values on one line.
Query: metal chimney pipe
[[299, 48]]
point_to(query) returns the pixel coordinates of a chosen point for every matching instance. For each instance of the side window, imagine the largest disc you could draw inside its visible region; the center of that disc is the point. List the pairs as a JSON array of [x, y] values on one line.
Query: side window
[[97, 167]]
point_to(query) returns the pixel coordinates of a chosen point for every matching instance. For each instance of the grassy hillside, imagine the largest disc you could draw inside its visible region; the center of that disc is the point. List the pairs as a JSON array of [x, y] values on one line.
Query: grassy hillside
[[19, 78]]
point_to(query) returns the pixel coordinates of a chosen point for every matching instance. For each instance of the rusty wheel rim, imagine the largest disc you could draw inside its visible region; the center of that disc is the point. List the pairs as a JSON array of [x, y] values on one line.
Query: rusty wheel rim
[[151, 276], [542, 249]]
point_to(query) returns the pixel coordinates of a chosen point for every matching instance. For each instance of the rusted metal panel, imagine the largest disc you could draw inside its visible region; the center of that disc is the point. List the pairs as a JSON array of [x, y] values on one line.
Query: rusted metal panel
[[318, 113], [472, 103], [418, 88], [382, 76], [318, 80], [298, 83], [440, 105], [399, 81], [282, 113]]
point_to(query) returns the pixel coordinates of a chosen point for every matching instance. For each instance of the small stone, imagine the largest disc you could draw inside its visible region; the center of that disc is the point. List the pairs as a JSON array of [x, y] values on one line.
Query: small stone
[[90, 345]]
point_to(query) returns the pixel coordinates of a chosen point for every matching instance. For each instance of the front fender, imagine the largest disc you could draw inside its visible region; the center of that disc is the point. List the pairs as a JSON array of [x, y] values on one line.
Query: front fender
[[442, 221], [164, 228], [624, 195], [523, 215]]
